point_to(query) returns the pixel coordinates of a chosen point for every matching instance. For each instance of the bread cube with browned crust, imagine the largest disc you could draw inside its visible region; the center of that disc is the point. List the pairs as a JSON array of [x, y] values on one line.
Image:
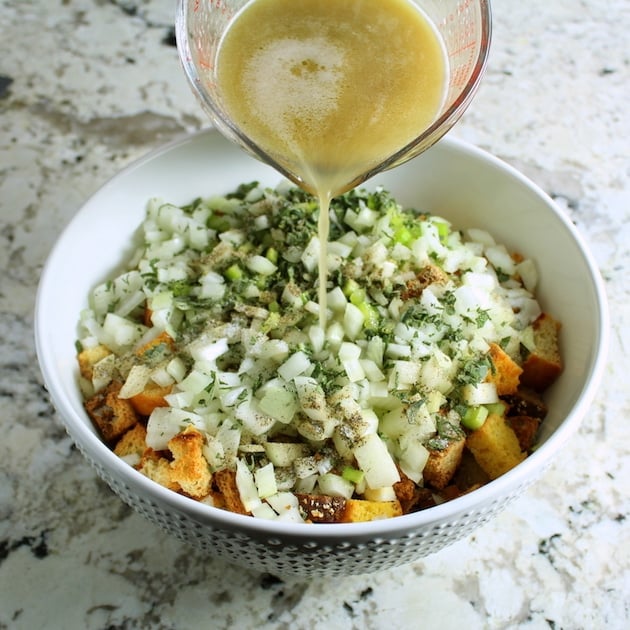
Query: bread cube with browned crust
[[505, 372], [329, 509], [360, 510], [89, 357], [189, 467], [427, 276], [157, 467], [526, 402], [156, 349], [544, 364], [112, 416], [132, 444], [443, 463], [151, 397], [225, 482], [526, 430], [495, 446], [411, 496]]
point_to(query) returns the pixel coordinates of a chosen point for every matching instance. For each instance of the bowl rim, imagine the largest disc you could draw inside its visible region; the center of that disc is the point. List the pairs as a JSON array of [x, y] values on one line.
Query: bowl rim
[[97, 451]]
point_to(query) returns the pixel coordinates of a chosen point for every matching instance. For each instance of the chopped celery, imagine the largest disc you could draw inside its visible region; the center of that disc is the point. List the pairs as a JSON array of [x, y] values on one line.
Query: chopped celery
[[350, 287], [353, 474], [474, 417], [234, 273], [498, 408]]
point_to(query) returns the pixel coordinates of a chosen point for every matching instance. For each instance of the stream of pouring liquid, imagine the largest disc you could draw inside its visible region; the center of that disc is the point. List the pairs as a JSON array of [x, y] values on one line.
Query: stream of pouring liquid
[[330, 90]]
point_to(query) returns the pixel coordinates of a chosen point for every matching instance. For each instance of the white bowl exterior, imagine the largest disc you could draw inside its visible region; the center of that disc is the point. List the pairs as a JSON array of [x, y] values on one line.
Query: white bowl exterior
[[459, 182]]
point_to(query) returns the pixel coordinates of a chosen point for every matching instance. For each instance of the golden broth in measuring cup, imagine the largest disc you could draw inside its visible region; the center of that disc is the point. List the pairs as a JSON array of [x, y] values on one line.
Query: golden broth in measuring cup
[[329, 90]]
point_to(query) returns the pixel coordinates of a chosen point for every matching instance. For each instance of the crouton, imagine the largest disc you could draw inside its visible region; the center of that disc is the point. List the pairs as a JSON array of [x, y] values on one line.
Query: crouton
[[412, 497], [526, 402], [112, 416], [89, 357], [425, 277], [225, 482], [358, 510], [526, 430], [189, 467], [157, 349], [443, 463], [152, 396], [543, 366], [321, 508], [157, 468], [495, 446], [132, 444], [505, 372], [328, 509], [469, 475]]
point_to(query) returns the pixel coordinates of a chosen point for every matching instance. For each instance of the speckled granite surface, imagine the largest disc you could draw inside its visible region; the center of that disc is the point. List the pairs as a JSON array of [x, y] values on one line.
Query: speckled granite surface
[[88, 85]]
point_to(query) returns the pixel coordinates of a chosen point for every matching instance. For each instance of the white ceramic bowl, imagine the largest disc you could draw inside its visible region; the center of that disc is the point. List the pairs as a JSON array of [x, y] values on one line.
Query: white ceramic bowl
[[462, 183]]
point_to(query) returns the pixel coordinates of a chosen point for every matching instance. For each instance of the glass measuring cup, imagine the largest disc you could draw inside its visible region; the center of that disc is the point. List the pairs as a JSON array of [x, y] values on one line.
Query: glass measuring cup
[[464, 26]]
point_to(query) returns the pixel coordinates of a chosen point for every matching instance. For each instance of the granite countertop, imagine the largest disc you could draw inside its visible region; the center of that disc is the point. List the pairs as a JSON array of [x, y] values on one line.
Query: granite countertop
[[88, 85]]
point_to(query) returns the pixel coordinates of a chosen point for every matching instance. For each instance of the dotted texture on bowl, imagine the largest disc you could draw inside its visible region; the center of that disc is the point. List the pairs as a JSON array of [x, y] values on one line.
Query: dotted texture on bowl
[[311, 557]]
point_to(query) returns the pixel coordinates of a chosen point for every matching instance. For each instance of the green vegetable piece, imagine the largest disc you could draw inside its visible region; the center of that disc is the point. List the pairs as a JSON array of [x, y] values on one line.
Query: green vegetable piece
[[371, 317], [350, 287], [443, 229], [474, 417], [352, 474], [403, 236], [234, 273], [218, 222], [272, 321], [272, 255], [498, 408], [357, 297]]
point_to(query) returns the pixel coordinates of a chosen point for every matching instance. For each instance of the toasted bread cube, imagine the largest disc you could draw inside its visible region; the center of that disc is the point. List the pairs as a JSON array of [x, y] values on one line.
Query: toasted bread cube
[[425, 277], [359, 511], [526, 402], [132, 444], [543, 366], [230, 498], [158, 347], [411, 496], [157, 468], [505, 373], [112, 416], [189, 467], [328, 509], [152, 396], [89, 357], [526, 430], [469, 475], [318, 508], [443, 463], [495, 446]]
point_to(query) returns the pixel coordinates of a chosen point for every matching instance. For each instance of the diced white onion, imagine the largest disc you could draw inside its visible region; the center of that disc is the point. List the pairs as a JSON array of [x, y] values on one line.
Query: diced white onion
[[376, 462]]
